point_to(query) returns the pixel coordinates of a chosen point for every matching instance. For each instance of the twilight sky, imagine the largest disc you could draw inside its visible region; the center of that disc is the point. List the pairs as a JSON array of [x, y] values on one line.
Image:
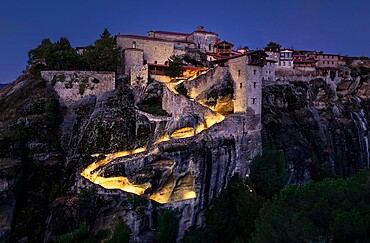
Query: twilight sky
[[333, 26]]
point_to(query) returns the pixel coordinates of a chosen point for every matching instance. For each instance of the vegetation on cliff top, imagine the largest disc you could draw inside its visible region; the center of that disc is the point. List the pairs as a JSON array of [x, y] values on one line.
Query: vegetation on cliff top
[[102, 56]]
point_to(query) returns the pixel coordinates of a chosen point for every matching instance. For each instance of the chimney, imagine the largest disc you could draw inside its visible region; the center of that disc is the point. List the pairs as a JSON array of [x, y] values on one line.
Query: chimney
[[200, 28], [151, 33]]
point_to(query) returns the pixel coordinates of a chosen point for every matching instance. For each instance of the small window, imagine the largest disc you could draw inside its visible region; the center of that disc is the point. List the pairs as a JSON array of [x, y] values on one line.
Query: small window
[[254, 72], [134, 44], [238, 72], [254, 84], [198, 46], [241, 85], [209, 47], [155, 62], [254, 101]]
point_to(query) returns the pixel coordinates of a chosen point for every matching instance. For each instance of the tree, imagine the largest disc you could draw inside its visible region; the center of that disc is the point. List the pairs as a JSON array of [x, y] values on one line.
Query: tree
[[333, 210], [103, 55], [64, 56], [175, 68], [168, 226], [41, 55], [272, 46], [234, 211], [268, 173], [57, 56]]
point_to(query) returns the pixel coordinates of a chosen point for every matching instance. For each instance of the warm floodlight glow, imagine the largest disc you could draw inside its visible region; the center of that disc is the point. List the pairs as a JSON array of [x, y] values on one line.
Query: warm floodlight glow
[[184, 132], [190, 195], [167, 192]]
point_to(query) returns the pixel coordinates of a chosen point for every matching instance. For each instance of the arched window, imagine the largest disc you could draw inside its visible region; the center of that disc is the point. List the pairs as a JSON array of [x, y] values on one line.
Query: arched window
[[134, 44], [155, 62], [209, 47], [198, 46]]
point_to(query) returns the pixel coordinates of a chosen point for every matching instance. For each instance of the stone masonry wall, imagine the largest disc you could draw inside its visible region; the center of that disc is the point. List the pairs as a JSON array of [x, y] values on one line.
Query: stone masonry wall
[[132, 57], [154, 50], [204, 40], [205, 81], [74, 85], [247, 90]]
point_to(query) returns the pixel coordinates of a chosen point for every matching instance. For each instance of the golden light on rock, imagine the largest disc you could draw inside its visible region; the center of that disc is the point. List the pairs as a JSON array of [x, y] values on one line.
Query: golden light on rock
[[171, 190], [184, 132], [190, 195]]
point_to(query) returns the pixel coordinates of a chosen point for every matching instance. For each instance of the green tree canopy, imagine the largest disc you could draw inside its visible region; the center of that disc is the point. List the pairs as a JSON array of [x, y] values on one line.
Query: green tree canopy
[[103, 55], [273, 46], [333, 210], [268, 172], [58, 56], [175, 68], [168, 226], [231, 216]]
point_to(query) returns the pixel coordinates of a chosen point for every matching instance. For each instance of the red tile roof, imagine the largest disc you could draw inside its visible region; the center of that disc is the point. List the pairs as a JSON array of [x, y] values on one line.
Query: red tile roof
[[170, 33], [221, 42], [143, 38]]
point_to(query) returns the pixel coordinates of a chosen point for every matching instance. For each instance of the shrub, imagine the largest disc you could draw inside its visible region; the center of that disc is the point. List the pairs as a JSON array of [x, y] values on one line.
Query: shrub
[[168, 226], [76, 235], [268, 173], [120, 233]]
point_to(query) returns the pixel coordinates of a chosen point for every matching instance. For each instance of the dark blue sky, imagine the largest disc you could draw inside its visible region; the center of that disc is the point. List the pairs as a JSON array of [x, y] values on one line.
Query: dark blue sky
[[334, 26]]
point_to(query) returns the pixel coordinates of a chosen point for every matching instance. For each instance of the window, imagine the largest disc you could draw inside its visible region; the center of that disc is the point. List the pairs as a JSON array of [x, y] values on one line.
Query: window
[[198, 46], [209, 47], [241, 85], [134, 44], [238, 72], [254, 101], [155, 62], [254, 72], [254, 84]]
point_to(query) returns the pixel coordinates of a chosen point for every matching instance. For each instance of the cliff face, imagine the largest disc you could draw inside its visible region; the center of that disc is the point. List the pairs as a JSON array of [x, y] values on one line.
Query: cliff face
[[323, 129], [30, 158]]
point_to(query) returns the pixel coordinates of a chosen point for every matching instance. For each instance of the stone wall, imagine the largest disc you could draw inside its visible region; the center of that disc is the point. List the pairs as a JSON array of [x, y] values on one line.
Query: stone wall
[[268, 71], [204, 40], [139, 76], [179, 105], [247, 90], [132, 57], [155, 50], [71, 86], [205, 81]]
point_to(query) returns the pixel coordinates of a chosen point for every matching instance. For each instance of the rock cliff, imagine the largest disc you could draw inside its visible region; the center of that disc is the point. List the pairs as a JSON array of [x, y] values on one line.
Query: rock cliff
[[323, 130]]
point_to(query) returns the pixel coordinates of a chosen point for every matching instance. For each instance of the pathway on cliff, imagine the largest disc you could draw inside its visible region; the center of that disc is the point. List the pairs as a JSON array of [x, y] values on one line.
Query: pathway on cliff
[[93, 171]]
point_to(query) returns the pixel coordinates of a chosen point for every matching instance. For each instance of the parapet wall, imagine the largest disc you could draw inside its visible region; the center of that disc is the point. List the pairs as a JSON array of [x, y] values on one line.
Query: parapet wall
[[205, 81], [74, 85]]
